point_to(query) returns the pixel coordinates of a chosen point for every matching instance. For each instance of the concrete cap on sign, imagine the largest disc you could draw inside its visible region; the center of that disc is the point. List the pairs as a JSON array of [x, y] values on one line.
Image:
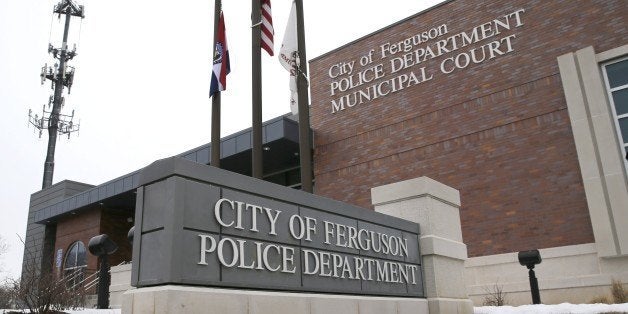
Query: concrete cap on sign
[[413, 188]]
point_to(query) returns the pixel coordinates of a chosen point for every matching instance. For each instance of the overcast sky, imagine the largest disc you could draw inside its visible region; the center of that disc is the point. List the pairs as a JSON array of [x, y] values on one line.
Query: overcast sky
[[141, 84]]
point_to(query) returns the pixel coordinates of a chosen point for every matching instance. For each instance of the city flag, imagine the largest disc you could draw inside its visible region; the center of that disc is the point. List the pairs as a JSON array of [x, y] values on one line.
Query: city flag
[[289, 57], [267, 28], [221, 60]]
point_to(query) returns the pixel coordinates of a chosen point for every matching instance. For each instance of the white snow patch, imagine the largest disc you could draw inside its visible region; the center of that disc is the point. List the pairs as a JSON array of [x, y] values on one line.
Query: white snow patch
[[556, 308], [563, 308], [83, 311]]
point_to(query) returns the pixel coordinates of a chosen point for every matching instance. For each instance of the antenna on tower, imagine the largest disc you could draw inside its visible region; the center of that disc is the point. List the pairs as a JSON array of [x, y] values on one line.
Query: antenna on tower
[[60, 75]]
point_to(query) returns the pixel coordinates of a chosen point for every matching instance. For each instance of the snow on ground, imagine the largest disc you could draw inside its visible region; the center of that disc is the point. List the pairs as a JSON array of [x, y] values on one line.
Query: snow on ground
[[564, 308], [83, 311], [93, 311]]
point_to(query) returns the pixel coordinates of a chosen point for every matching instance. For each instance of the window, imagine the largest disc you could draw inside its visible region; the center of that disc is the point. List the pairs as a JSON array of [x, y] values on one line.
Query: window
[[616, 77], [75, 264], [289, 177]]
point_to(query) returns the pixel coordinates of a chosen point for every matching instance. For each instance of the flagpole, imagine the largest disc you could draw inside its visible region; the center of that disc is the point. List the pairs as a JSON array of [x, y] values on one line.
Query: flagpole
[[256, 77], [305, 146], [215, 130]]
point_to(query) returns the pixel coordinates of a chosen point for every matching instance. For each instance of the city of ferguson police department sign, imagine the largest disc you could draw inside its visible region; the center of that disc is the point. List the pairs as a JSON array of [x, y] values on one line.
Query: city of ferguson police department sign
[[211, 227]]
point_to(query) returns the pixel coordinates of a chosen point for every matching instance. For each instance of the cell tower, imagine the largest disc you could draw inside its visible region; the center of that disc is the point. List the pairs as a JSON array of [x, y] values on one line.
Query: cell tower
[[60, 75]]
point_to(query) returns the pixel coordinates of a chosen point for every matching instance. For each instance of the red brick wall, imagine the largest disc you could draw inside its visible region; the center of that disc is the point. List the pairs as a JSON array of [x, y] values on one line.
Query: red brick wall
[[79, 227], [92, 222], [116, 225], [498, 131]]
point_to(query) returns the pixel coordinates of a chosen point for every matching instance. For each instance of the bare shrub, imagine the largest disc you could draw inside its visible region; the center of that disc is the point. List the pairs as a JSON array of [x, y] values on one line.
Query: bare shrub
[[5, 297], [620, 295], [4, 247], [600, 299], [495, 296], [42, 292]]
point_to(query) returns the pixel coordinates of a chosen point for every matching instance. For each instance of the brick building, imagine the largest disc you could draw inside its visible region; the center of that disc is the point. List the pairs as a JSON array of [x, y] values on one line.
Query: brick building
[[520, 105], [485, 96]]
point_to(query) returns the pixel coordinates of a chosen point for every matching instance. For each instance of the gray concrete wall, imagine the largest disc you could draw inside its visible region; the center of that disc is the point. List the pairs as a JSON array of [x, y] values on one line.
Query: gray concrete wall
[[120, 283], [574, 274], [186, 299]]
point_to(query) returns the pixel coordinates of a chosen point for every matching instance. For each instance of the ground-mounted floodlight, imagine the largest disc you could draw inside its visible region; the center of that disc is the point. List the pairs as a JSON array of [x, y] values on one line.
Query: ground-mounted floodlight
[[529, 259], [102, 247]]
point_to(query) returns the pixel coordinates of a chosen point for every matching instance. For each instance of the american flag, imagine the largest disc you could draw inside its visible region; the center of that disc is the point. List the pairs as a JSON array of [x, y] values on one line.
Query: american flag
[[267, 28]]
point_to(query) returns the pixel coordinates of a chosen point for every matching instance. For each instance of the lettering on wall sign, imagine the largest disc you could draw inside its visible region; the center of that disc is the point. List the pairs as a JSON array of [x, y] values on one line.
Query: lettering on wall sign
[[232, 252], [398, 65]]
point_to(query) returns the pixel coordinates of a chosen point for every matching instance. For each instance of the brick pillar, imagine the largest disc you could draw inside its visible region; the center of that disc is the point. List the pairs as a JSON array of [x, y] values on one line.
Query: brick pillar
[[435, 207]]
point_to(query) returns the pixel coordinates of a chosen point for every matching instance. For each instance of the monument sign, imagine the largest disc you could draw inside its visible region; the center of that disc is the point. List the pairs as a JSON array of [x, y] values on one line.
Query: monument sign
[[203, 226]]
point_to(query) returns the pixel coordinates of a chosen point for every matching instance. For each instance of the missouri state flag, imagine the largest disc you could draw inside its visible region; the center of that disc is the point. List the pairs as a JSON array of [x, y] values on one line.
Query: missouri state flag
[[221, 60]]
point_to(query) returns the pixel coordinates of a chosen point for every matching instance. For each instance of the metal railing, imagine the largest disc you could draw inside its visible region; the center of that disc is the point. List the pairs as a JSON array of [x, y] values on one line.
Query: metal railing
[[89, 283]]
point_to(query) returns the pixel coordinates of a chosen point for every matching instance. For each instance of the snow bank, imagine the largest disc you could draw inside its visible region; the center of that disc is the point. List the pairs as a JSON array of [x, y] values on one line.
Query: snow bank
[[527, 309], [557, 308]]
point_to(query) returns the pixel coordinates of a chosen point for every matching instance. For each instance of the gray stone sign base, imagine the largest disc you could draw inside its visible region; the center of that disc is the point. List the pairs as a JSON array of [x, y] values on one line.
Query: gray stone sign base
[[436, 208], [185, 299]]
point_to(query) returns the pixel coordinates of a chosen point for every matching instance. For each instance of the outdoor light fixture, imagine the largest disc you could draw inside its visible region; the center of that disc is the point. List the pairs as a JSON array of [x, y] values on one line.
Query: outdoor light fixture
[[130, 234], [529, 259], [102, 246]]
